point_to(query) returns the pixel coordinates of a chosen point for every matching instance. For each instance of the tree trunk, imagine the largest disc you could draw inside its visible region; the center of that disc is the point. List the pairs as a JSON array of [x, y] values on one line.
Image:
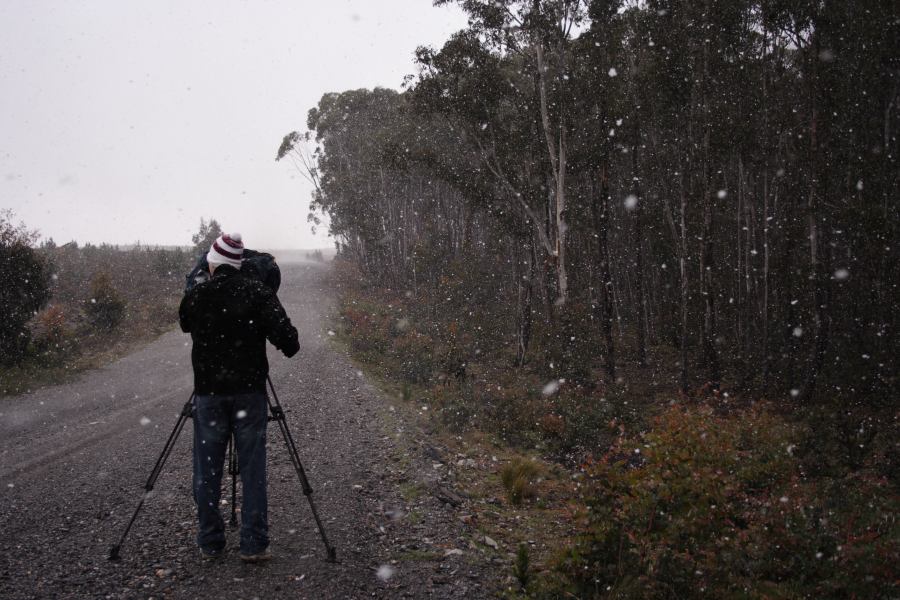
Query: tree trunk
[[639, 240], [604, 309], [558, 168], [817, 276], [710, 354], [682, 266], [526, 292]]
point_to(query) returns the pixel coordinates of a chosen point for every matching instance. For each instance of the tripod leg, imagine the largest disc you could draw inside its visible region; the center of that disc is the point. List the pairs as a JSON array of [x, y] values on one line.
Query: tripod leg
[[233, 470], [278, 415], [154, 474]]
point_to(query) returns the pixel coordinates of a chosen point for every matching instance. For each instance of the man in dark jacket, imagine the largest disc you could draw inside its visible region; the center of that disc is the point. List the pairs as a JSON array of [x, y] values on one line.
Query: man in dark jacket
[[230, 317]]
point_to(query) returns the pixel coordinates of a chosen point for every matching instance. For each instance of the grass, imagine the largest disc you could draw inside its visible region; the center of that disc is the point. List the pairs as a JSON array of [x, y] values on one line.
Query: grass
[[93, 351], [419, 555], [518, 479], [411, 491], [26, 377], [415, 517]]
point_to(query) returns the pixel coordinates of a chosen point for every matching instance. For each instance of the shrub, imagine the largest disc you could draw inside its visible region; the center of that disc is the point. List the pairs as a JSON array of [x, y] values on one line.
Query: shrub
[[518, 480], [414, 352], [105, 307], [576, 424], [51, 331], [25, 278], [568, 347], [509, 407], [522, 567], [367, 325], [456, 408], [718, 506]]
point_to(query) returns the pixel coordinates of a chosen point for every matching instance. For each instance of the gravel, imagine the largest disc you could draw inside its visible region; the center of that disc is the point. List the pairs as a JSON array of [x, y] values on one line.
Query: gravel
[[74, 460]]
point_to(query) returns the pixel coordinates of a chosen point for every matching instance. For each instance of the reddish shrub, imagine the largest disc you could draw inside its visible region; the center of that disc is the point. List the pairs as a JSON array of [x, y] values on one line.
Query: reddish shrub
[[718, 506]]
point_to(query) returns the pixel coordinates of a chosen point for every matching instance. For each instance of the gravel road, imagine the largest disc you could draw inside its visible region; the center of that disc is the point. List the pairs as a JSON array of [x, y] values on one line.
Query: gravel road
[[74, 460]]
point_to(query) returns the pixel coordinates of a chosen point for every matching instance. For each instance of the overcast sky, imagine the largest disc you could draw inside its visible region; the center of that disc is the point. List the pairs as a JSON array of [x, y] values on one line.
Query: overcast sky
[[129, 121]]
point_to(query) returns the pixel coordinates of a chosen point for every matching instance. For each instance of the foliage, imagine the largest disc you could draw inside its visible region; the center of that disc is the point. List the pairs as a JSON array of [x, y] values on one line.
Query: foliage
[[52, 332], [651, 157], [105, 306], [521, 568], [461, 363], [135, 291], [626, 202], [518, 479], [205, 236], [25, 288], [715, 504]]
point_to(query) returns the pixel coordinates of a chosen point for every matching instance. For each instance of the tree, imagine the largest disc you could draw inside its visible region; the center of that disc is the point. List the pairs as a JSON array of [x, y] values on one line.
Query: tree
[[26, 286], [711, 179], [206, 235], [539, 32]]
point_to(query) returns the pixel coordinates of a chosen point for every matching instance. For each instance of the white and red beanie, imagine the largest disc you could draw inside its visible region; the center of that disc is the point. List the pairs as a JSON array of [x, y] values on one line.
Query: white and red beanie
[[226, 250]]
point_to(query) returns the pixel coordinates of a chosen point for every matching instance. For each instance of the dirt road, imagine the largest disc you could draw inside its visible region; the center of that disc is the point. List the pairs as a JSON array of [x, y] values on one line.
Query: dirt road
[[74, 460]]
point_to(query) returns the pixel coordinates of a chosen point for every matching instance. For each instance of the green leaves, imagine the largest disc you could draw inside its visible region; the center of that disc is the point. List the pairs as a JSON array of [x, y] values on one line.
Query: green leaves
[[25, 288], [206, 235]]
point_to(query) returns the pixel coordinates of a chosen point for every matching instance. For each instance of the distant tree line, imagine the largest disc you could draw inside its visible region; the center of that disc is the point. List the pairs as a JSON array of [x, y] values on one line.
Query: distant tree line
[[710, 185]]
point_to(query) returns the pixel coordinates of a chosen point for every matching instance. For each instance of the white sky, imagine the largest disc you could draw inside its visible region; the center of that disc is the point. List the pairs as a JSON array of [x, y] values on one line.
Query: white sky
[[125, 121]]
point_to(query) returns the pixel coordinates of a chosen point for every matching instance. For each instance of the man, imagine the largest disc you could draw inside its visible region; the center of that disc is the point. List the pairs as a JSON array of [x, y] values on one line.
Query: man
[[229, 317]]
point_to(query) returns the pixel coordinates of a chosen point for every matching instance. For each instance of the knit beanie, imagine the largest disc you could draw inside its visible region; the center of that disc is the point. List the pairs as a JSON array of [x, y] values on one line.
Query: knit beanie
[[226, 250]]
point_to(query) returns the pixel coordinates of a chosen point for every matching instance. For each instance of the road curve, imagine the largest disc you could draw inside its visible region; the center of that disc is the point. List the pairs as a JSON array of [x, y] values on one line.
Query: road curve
[[74, 459]]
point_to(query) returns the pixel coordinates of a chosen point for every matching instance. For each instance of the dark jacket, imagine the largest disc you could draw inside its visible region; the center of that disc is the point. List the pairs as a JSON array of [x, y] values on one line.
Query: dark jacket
[[229, 318]]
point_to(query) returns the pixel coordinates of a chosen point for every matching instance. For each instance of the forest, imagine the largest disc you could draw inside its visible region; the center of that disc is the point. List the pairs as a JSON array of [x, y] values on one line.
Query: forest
[[672, 226]]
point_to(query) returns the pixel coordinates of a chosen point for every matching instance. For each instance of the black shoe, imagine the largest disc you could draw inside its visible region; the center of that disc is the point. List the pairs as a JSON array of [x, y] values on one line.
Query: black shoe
[[211, 555]]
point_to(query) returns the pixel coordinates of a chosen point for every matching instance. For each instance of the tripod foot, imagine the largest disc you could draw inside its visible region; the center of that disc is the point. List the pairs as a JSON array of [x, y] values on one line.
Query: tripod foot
[[332, 555], [114, 553]]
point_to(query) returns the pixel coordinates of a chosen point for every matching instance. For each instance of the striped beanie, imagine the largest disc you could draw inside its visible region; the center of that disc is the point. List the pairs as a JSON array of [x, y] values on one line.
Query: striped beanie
[[226, 250]]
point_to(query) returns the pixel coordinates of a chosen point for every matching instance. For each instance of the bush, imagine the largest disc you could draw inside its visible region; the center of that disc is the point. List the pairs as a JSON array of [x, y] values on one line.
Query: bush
[[413, 351], [457, 408], [576, 424], [521, 568], [518, 480], [51, 332], [568, 347], [718, 506], [105, 307], [25, 288]]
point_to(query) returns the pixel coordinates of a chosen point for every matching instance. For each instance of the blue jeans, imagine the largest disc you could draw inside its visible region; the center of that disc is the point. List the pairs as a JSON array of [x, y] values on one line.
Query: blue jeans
[[216, 418]]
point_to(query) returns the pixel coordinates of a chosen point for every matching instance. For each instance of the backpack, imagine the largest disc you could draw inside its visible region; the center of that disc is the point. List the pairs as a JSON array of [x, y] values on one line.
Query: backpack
[[256, 265], [262, 267]]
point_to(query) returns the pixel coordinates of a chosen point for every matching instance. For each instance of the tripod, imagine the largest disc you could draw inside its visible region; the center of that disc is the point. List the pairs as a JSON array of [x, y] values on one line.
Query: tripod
[[276, 414]]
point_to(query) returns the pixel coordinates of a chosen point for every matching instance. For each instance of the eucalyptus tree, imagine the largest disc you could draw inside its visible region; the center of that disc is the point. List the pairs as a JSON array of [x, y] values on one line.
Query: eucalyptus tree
[[848, 63], [596, 100], [353, 129], [539, 34], [490, 113], [714, 177]]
